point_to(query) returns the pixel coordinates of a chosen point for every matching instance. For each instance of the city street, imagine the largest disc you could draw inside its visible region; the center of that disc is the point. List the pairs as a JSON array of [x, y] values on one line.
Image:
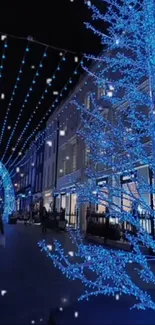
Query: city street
[[34, 288], [77, 151]]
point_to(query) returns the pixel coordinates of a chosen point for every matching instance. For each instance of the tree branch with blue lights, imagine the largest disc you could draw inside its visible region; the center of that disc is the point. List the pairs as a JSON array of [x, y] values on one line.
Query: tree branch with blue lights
[[119, 141]]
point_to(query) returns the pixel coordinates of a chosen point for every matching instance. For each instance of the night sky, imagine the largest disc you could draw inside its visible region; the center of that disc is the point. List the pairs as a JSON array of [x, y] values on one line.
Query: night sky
[[60, 24]]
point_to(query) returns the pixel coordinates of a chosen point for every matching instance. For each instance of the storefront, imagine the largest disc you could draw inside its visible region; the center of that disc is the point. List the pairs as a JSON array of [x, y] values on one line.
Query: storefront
[[37, 202], [18, 204], [48, 200], [21, 202], [28, 199], [68, 201], [128, 198], [131, 193], [101, 207]]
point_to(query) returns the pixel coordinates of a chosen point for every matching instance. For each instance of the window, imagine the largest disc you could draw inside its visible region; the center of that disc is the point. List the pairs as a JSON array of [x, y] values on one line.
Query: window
[[33, 177], [65, 167], [38, 160], [65, 128], [41, 158], [30, 170], [48, 176], [49, 151], [39, 185], [62, 133], [45, 152], [36, 183], [73, 208], [54, 146], [26, 180], [129, 185], [68, 204], [63, 201], [87, 102], [101, 207], [87, 152], [74, 157], [44, 177], [101, 92], [53, 172]]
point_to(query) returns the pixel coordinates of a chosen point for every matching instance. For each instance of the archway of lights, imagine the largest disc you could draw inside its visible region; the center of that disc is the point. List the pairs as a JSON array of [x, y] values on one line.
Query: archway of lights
[[9, 195]]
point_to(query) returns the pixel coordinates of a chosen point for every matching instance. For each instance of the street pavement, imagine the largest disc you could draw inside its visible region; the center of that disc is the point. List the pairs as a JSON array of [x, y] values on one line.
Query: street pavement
[[35, 289], [33, 285]]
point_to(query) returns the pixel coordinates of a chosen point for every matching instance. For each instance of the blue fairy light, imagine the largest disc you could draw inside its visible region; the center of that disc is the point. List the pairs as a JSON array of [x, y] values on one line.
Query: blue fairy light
[[34, 112], [12, 97]]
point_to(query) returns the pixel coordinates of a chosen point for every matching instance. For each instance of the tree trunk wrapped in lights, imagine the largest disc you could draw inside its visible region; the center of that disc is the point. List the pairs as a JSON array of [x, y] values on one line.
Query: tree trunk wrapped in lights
[[119, 142]]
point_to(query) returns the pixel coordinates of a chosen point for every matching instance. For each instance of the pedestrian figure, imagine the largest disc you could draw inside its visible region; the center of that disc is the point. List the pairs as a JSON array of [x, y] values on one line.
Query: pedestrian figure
[[62, 214], [44, 218]]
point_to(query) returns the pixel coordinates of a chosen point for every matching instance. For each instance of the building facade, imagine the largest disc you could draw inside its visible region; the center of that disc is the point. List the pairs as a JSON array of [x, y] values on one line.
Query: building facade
[[37, 165], [24, 180], [57, 166]]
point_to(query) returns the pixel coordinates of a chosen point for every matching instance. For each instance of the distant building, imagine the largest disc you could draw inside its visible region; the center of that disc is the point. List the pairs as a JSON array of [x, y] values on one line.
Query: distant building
[[65, 157], [24, 181], [50, 154], [57, 166]]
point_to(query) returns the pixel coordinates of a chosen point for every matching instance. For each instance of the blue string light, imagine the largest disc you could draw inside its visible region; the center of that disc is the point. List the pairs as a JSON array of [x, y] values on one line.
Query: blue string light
[[50, 109], [43, 96], [3, 58], [13, 95], [44, 137], [23, 105]]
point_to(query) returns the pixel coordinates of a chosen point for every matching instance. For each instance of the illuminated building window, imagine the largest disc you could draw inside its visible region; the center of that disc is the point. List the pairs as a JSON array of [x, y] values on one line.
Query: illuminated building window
[[65, 167], [101, 207], [87, 152], [101, 92], [87, 101], [62, 133], [45, 177], [48, 176], [73, 209], [74, 157], [63, 201]]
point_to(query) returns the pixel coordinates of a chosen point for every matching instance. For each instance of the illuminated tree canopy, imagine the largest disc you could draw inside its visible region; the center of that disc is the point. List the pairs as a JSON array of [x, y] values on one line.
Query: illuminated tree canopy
[[119, 142]]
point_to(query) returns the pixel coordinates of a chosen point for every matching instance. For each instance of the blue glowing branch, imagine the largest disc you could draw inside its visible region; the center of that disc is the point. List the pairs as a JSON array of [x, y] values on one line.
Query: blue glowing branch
[[107, 265], [120, 138]]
